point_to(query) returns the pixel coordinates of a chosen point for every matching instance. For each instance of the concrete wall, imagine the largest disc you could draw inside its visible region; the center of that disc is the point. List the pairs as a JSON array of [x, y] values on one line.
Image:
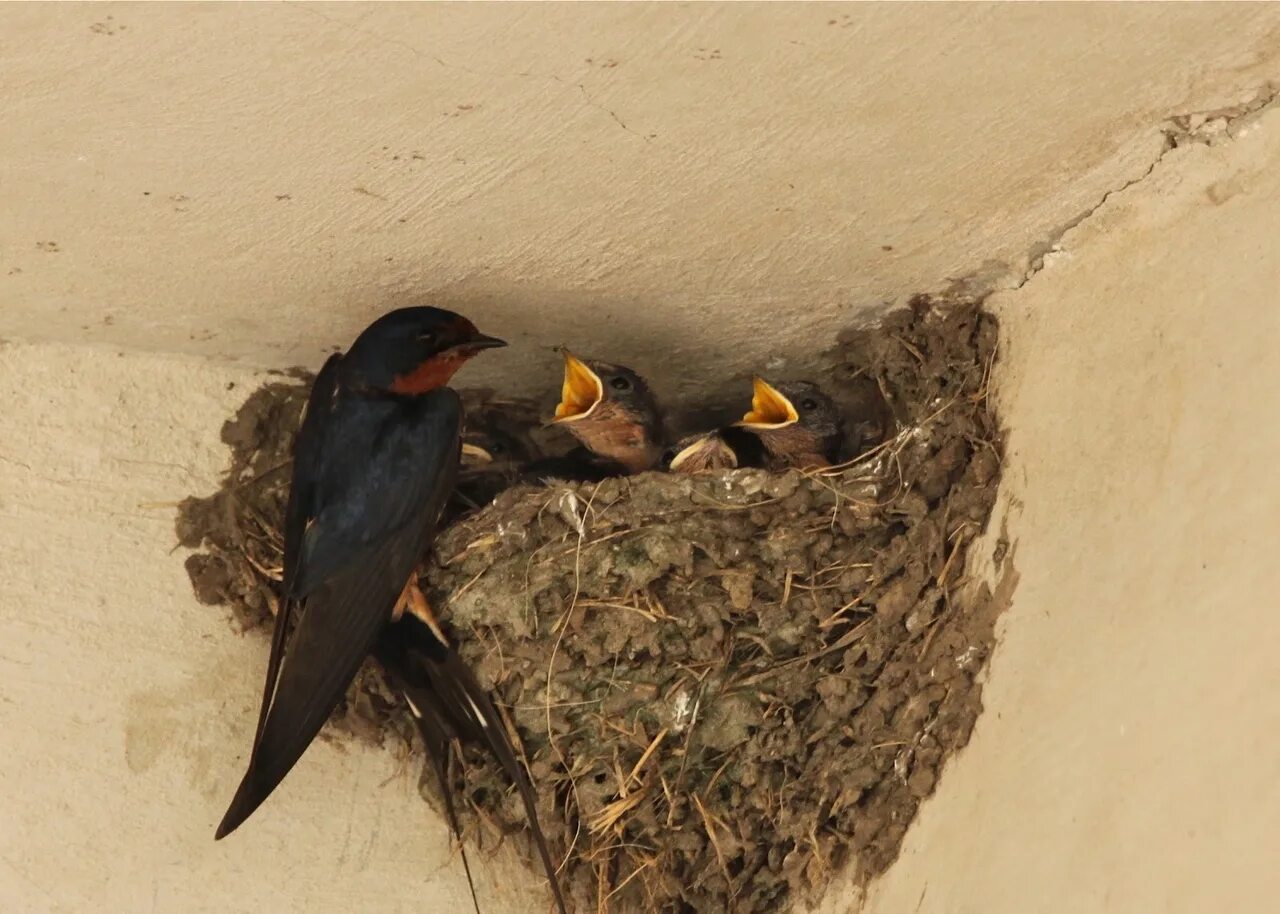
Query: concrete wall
[[254, 182], [1128, 757]]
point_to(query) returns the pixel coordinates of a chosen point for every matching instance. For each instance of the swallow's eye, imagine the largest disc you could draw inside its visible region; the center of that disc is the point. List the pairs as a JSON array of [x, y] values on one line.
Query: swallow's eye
[[808, 403], [427, 337], [618, 382]]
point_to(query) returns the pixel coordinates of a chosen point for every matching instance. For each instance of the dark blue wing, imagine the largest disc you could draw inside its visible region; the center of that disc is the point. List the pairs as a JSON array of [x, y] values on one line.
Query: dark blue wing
[[386, 470], [308, 445], [308, 453], [385, 464]]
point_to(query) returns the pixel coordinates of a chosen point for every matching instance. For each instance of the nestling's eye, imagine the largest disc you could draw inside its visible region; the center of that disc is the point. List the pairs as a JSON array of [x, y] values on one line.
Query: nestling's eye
[[618, 382], [808, 403]]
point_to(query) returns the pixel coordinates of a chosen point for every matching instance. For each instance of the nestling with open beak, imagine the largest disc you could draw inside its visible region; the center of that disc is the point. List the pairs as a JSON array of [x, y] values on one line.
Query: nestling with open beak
[[613, 414], [793, 424]]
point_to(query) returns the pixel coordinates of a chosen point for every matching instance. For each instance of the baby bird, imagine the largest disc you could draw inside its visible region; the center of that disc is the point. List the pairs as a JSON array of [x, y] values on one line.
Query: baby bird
[[793, 424], [492, 457], [615, 417]]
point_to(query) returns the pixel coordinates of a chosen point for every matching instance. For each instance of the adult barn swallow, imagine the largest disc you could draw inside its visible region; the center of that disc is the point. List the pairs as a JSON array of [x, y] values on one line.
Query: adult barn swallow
[[374, 462], [793, 424], [615, 417]]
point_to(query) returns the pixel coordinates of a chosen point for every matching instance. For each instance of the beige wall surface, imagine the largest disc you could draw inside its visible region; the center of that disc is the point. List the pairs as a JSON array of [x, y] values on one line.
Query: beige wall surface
[[1128, 760], [126, 707], [1129, 757], [709, 184]]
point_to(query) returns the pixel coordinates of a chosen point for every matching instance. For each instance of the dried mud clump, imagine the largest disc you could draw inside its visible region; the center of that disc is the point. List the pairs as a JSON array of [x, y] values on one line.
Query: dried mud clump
[[727, 686]]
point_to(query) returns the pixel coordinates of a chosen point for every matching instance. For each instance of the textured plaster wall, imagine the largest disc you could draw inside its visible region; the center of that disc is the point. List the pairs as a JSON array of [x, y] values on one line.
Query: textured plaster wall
[[1129, 757], [1127, 761], [712, 184]]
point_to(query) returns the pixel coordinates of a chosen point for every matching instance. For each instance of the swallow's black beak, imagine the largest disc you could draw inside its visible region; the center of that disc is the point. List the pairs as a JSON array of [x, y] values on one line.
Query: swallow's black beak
[[480, 341]]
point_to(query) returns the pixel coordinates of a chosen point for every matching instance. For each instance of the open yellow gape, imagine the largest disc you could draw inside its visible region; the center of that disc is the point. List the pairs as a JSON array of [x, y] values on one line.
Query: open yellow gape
[[769, 408], [581, 392]]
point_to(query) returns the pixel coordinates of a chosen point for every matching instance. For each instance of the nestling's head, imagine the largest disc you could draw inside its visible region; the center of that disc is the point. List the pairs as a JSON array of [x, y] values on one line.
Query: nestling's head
[[611, 411], [799, 424], [696, 453]]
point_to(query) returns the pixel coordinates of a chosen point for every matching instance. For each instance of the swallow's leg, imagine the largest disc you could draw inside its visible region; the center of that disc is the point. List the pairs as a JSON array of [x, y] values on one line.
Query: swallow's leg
[[414, 601], [403, 602]]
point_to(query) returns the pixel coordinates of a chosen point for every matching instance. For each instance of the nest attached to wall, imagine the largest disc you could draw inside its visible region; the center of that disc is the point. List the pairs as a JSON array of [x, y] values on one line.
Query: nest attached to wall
[[728, 686]]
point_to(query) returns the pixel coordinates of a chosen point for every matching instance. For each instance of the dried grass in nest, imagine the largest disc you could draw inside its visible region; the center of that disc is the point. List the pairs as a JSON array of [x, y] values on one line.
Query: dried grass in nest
[[729, 686]]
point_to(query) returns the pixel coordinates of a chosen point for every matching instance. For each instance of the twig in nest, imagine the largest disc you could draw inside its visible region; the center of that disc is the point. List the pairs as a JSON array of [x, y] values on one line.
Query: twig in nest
[[558, 704], [655, 605], [577, 550], [612, 812], [657, 741], [955, 550], [910, 348], [839, 613], [563, 625], [602, 883], [481, 542], [467, 586], [684, 755], [271, 574], [724, 505], [715, 842], [647, 862], [274, 539], [719, 771], [984, 388], [605, 604], [843, 566], [928, 638], [842, 642], [264, 474]]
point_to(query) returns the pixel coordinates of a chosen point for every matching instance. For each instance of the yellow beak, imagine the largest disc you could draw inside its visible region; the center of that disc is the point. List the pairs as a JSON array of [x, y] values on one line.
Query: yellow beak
[[769, 408], [709, 451], [581, 392], [474, 455]]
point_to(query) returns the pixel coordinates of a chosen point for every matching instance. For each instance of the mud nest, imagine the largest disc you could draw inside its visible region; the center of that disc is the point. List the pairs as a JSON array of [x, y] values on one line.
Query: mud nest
[[727, 687]]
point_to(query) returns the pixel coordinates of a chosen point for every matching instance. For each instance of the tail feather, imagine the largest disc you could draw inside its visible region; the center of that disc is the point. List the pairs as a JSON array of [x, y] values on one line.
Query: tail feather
[[446, 692], [439, 741]]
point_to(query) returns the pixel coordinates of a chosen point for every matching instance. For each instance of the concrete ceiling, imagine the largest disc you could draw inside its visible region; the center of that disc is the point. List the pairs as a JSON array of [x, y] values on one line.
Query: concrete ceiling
[[705, 189]]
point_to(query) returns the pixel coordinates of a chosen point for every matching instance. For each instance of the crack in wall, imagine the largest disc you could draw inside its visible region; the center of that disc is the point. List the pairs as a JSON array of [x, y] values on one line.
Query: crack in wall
[[1200, 127]]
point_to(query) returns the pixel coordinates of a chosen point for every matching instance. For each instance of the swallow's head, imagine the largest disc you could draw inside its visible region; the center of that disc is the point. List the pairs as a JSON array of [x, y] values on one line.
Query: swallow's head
[[696, 453], [611, 410], [798, 423], [414, 350]]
